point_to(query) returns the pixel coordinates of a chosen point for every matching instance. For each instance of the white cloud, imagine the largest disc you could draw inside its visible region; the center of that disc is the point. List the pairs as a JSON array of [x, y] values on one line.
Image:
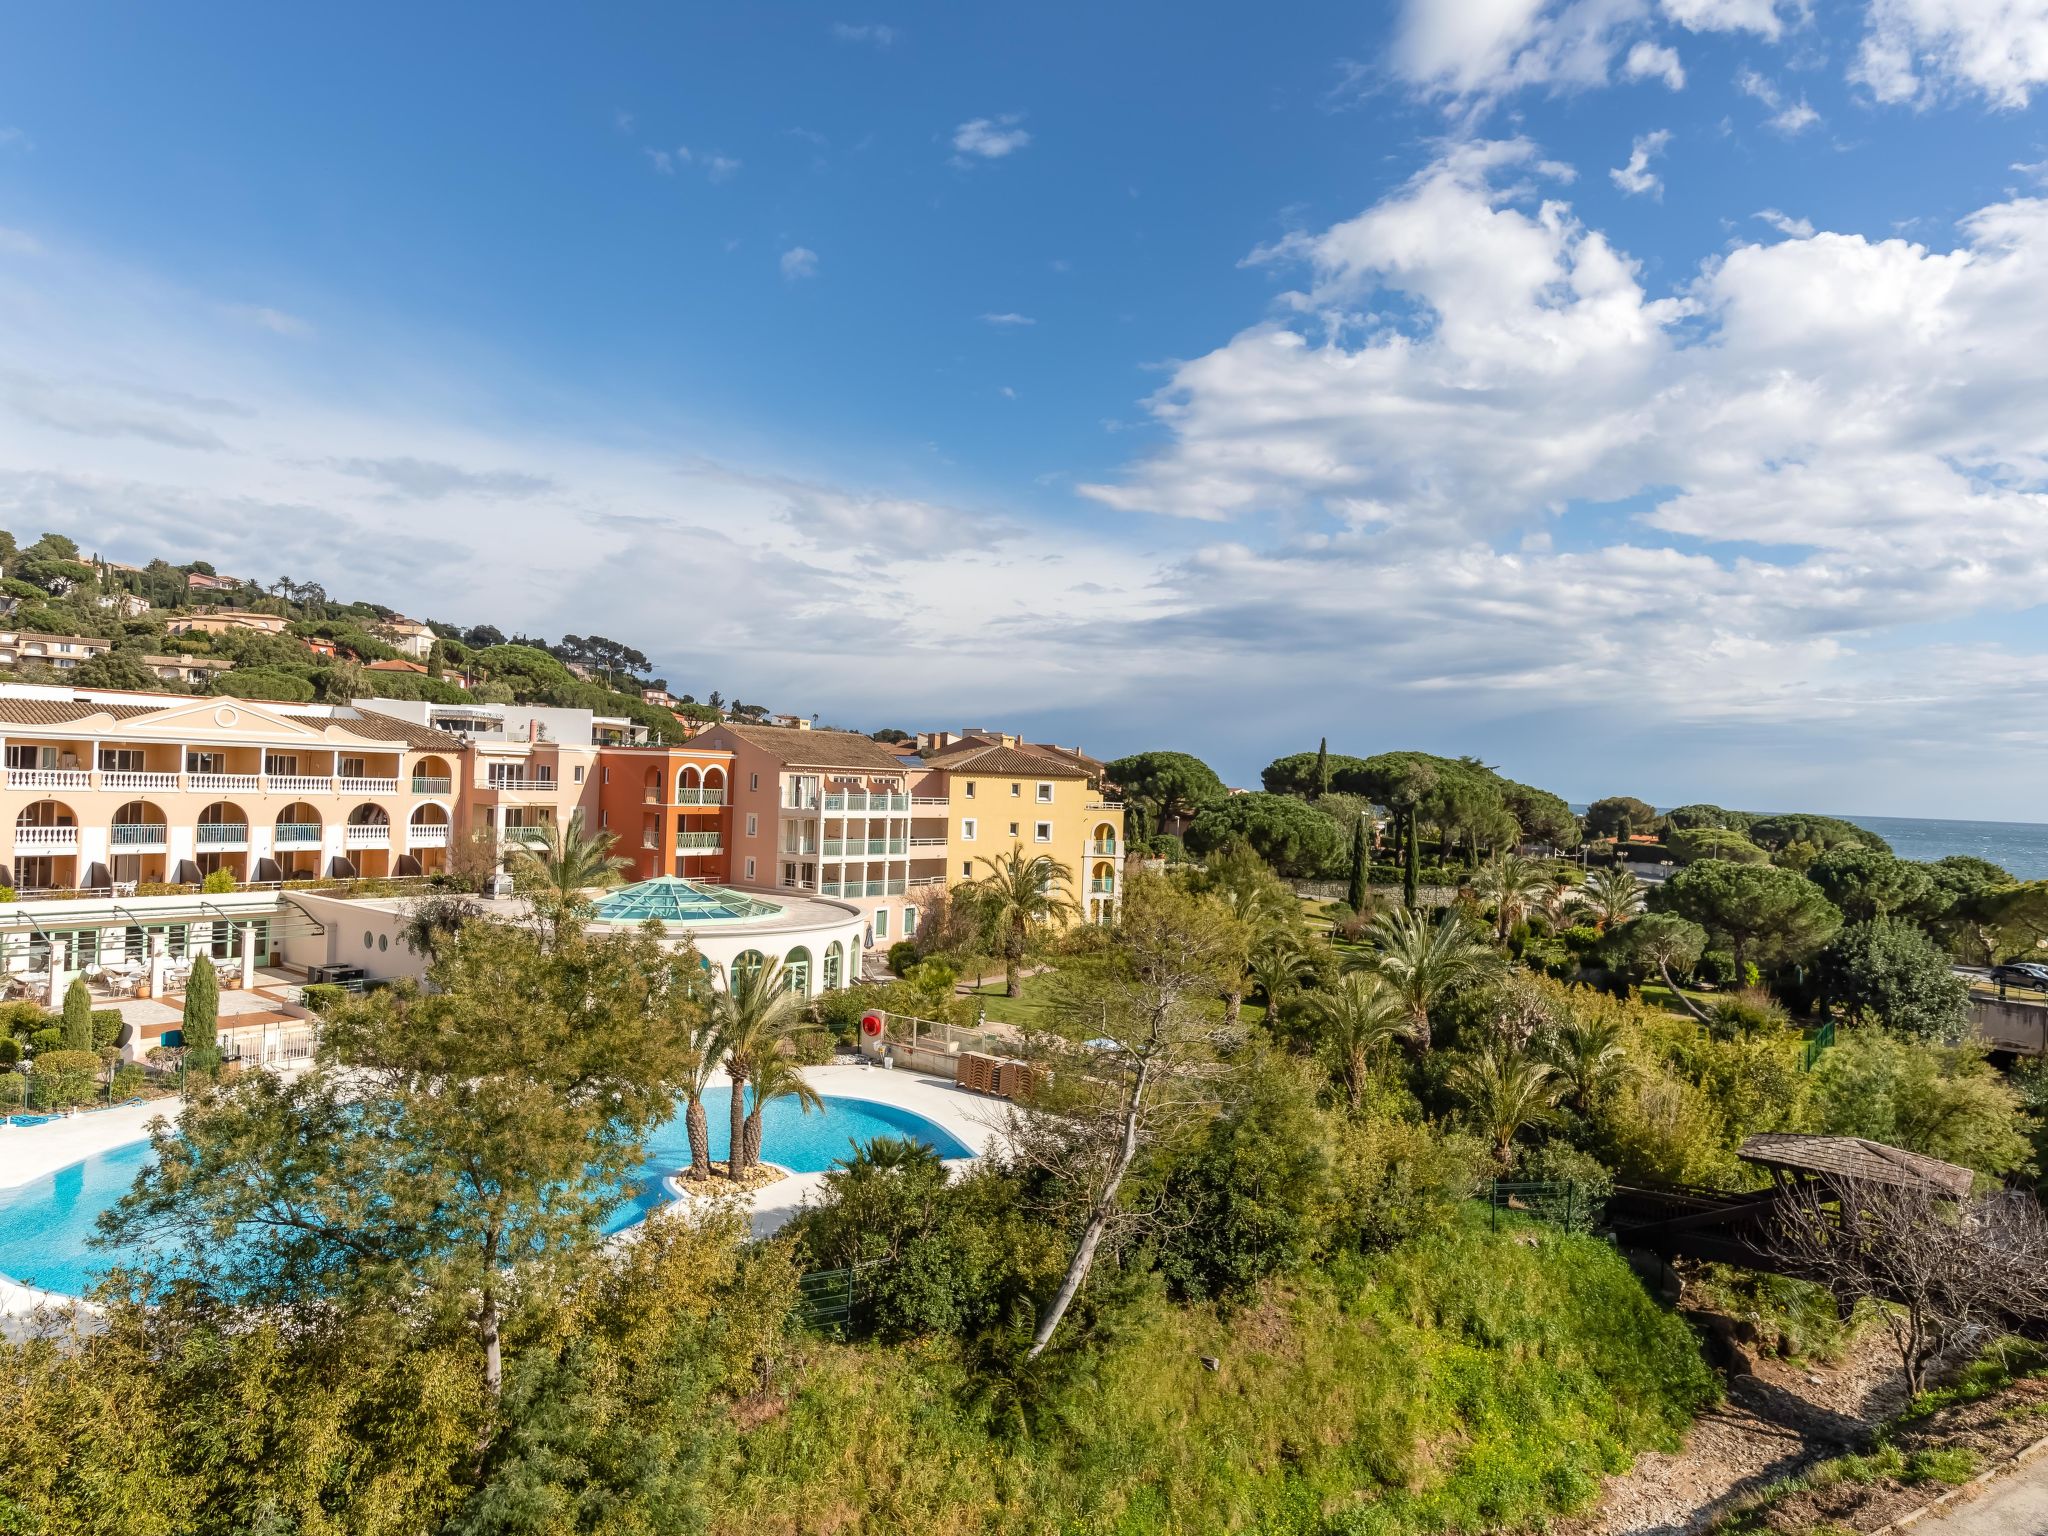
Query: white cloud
[[720, 167], [1487, 48], [1007, 318], [865, 32], [988, 138], [1650, 61], [1785, 224], [1915, 50], [1787, 117], [19, 242], [275, 321], [1777, 472], [799, 262], [662, 160], [716, 167], [1759, 16], [1636, 177]]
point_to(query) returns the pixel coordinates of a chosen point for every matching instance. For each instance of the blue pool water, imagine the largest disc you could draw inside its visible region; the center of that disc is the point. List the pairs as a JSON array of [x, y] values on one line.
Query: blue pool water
[[44, 1224]]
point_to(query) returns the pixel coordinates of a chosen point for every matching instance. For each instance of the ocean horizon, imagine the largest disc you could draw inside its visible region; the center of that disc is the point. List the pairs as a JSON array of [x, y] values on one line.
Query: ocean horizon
[[2020, 848]]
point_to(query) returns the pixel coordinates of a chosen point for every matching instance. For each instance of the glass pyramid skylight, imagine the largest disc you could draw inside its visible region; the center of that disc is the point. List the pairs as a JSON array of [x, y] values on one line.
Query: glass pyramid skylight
[[675, 900]]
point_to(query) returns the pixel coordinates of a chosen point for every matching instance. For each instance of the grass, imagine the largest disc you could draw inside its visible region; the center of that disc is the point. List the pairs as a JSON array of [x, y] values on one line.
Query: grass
[[1470, 1381], [1038, 1007]]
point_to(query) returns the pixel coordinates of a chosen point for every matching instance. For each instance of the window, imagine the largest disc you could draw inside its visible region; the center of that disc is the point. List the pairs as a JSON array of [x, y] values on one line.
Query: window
[[881, 922], [970, 789], [1045, 794], [909, 921], [967, 830], [750, 869], [753, 781], [835, 960], [1016, 791], [120, 760], [604, 818], [579, 780], [796, 967], [31, 757], [789, 874], [206, 762], [1013, 829], [283, 764], [605, 780], [967, 869], [354, 768], [753, 824], [1044, 832]]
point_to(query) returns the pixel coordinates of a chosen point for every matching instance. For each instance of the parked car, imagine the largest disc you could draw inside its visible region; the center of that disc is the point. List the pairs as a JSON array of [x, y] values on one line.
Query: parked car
[[2022, 973]]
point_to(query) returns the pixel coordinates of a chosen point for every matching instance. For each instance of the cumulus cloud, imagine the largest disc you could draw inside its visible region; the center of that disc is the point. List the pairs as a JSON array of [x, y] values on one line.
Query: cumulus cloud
[[1914, 50], [1652, 61], [1795, 468], [1759, 16], [799, 261], [988, 138], [1636, 177]]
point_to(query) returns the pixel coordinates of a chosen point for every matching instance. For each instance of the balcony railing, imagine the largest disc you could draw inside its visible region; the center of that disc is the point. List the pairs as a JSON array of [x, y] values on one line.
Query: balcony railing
[[520, 784], [1106, 849], [917, 880], [367, 835], [298, 784], [866, 803], [704, 797], [1101, 887], [803, 850], [532, 832], [225, 783], [422, 786], [928, 842], [214, 833], [139, 834], [56, 839], [138, 781], [428, 834], [697, 840], [368, 786], [800, 802], [935, 800], [297, 833], [865, 847], [48, 778]]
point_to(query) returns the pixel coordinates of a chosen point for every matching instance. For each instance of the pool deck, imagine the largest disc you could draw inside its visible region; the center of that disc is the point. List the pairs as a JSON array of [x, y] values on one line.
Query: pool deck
[[29, 1152]]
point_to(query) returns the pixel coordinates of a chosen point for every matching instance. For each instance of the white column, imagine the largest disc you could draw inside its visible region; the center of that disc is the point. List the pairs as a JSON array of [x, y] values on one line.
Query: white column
[[60, 972], [157, 944], [248, 951]]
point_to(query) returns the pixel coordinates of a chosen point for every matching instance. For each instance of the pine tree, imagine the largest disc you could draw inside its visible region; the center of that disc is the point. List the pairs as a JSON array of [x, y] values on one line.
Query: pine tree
[[1360, 894], [1411, 873], [202, 1017], [77, 1016], [1322, 767]]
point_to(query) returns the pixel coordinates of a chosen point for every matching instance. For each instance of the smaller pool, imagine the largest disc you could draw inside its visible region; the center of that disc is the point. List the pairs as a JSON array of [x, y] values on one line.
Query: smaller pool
[[673, 899], [45, 1224]]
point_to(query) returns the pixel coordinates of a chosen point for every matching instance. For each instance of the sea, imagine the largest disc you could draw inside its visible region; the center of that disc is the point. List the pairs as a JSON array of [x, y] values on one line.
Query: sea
[[2018, 847]]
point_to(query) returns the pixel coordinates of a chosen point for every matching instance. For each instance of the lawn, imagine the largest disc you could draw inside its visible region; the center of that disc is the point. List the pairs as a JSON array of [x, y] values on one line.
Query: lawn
[[1038, 1007]]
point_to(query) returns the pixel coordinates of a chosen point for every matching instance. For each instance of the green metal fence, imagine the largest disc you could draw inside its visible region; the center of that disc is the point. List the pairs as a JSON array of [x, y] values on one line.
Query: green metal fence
[[828, 1299], [1816, 1043], [1561, 1202]]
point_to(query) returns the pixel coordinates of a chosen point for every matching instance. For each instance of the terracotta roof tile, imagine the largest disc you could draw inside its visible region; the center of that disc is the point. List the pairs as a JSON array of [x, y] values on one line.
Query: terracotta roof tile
[[819, 749], [994, 757]]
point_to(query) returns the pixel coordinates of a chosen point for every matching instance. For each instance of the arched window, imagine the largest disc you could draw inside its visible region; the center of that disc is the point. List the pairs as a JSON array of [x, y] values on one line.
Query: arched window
[[746, 962], [796, 967], [835, 964]]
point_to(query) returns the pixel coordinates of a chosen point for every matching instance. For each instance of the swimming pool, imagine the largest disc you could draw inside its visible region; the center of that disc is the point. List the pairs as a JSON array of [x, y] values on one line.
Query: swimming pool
[[44, 1224]]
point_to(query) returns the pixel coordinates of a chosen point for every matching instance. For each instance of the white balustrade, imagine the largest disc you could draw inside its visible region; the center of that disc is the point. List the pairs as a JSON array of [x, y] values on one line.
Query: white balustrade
[[55, 839], [368, 786], [48, 778], [426, 834], [225, 783], [297, 784], [138, 781], [372, 835]]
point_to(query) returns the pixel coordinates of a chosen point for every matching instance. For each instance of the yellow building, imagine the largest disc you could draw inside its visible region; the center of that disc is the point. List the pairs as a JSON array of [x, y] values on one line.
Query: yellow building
[[1003, 793]]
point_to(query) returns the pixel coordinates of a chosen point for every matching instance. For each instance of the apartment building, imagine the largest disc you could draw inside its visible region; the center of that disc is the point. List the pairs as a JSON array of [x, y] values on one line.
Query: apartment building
[[526, 765], [196, 670], [409, 637], [63, 652], [107, 789], [1002, 793], [218, 621], [670, 807], [835, 814]]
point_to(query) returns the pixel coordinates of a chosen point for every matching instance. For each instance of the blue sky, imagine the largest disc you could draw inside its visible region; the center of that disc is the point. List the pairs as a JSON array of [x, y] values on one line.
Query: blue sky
[[1645, 395]]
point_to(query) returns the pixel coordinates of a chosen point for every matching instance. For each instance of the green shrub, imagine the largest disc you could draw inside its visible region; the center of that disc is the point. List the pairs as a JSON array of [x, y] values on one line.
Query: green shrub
[[220, 883], [48, 1038], [129, 1081], [10, 1050], [902, 956], [13, 1090], [1558, 1162], [106, 1027], [324, 997], [812, 1047], [8, 894]]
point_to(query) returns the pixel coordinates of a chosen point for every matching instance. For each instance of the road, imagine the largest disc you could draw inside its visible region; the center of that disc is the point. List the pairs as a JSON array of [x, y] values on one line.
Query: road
[[2014, 1505]]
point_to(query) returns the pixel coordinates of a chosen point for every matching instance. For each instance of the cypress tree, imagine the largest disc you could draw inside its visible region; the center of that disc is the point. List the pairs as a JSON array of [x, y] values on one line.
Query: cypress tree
[[1411, 875], [437, 660], [1360, 894], [77, 1016], [202, 1017], [1322, 767]]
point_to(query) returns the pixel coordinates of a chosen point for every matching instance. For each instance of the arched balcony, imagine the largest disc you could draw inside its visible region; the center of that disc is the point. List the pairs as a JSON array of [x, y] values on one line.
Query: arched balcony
[[368, 826], [433, 776], [1103, 840], [296, 838], [223, 825]]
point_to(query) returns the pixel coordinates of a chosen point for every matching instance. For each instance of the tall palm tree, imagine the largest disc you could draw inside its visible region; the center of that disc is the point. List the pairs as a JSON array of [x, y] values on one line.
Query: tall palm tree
[[1504, 1091], [1587, 1055], [1021, 893], [569, 862], [1511, 885], [753, 1011], [699, 1061], [1354, 1022], [1243, 882], [776, 1076], [1425, 961], [1612, 895]]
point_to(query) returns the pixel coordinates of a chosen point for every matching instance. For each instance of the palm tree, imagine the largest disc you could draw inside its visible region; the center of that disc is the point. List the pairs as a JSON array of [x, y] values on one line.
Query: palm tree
[[1354, 1022], [1587, 1055], [1504, 1091], [1613, 895], [776, 1076], [887, 1153], [1425, 962], [1511, 885], [1276, 968], [1020, 893], [749, 1016], [569, 862], [699, 1061], [1262, 905]]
